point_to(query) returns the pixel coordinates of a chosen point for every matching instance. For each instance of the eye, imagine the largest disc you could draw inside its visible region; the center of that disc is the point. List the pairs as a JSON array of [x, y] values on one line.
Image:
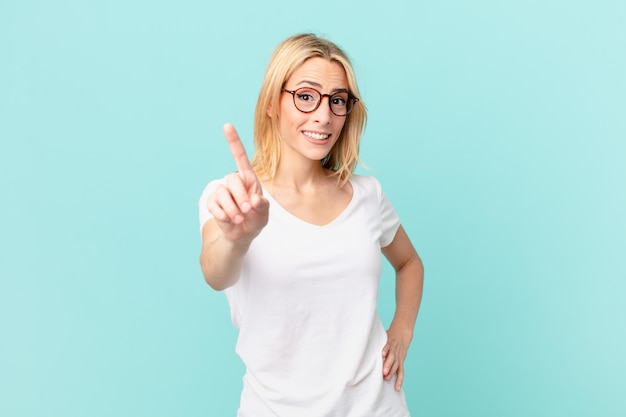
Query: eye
[[339, 100], [305, 97]]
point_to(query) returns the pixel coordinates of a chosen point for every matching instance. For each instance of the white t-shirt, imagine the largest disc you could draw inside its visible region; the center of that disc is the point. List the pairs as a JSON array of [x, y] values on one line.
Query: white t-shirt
[[305, 305]]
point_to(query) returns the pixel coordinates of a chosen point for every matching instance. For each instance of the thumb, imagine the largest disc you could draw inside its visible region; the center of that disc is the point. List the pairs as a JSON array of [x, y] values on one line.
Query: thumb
[[259, 203]]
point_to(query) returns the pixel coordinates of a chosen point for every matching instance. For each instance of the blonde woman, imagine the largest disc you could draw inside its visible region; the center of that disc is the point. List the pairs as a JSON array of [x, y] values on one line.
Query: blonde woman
[[294, 239]]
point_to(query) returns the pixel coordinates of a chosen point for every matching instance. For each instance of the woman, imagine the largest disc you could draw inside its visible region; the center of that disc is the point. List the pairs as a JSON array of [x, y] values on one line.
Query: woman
[[294, 238]]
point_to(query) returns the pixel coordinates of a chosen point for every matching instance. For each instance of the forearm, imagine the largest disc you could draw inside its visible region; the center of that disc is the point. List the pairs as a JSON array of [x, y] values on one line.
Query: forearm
[[221, 260], [409, 286]]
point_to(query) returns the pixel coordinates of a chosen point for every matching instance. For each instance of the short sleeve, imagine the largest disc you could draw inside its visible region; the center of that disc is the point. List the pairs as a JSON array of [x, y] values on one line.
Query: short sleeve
[[203, 210], [390, 222]]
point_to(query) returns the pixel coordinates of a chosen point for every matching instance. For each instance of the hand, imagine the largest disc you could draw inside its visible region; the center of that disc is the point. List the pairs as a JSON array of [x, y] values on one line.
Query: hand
[[238, 206], [394, 354]]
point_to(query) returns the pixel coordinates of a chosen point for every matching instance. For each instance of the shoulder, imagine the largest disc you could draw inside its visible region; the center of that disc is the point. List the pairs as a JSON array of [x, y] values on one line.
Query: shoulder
[[212, 185], [204, 198], [366, 183]]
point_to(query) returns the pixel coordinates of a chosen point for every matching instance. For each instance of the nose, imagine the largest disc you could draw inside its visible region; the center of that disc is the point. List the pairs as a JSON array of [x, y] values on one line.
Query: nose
[[323, 114]]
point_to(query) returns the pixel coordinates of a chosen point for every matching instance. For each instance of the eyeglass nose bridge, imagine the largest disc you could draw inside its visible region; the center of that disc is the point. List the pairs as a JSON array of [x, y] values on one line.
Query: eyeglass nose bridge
[[319, 103]]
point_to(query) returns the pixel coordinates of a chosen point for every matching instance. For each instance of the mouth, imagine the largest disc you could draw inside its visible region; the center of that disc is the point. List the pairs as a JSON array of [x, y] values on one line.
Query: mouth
[[315, 135]]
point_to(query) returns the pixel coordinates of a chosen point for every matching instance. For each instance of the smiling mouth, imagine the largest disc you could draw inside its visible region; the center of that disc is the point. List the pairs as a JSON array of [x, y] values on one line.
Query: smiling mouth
[[316, 136]]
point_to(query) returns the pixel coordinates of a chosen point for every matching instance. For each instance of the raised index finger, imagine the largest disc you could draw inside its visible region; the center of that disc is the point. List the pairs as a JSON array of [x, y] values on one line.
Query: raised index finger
[[237, 149]]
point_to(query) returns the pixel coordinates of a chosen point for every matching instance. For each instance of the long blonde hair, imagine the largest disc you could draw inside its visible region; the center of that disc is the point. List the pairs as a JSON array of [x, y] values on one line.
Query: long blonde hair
[[287, 57]]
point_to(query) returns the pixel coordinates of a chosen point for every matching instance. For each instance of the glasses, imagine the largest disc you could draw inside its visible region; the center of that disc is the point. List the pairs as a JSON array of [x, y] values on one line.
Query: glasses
[[307, 100]]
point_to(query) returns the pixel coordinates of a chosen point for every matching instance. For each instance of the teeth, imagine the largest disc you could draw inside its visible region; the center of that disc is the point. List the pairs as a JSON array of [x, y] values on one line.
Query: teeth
[[317, 136]]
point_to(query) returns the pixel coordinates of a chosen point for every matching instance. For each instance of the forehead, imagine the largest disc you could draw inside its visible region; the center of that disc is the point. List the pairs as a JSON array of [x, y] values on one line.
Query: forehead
[[321, 72]]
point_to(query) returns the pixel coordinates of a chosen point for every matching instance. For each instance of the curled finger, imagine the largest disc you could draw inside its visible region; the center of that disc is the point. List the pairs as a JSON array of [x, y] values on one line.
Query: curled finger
[[400, 377], [216, 211], [388, 365], [225, 200], [394, 368], [238, 192]]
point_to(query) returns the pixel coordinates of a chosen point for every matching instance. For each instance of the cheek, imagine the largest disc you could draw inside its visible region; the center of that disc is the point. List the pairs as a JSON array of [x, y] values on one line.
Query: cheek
[[340, 124], [288, 114], [338, 128]]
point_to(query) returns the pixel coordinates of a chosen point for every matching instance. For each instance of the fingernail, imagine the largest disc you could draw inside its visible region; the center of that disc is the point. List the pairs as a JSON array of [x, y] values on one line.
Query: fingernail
[[238, 219], [245, 207]]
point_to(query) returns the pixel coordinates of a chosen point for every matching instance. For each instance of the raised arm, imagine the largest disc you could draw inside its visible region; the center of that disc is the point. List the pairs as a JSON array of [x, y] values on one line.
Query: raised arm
[[240, 211]]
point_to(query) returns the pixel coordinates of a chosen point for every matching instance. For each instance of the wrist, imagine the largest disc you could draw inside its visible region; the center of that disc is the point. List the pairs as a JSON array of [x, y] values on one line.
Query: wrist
[[401, 329]]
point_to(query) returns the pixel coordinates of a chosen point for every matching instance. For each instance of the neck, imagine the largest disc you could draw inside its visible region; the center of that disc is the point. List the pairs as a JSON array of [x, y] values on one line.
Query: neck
[[300, 177]]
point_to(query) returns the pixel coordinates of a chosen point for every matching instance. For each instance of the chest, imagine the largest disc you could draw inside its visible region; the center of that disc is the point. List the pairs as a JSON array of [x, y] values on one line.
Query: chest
[[318, 209], [293, 254]]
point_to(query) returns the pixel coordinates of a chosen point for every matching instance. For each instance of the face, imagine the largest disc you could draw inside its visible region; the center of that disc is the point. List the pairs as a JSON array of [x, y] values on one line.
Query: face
[[311, 136]]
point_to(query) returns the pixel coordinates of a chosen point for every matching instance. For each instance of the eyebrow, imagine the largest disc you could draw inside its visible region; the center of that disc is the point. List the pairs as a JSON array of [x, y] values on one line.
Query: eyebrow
[[318, 85]]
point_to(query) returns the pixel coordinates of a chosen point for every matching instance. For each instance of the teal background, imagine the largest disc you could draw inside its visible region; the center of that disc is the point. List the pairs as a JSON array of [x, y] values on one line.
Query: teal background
[[497, 129]]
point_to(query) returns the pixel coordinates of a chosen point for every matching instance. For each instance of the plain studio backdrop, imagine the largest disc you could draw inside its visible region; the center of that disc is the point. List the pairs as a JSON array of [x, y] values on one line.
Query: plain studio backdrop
[[497, 129]]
